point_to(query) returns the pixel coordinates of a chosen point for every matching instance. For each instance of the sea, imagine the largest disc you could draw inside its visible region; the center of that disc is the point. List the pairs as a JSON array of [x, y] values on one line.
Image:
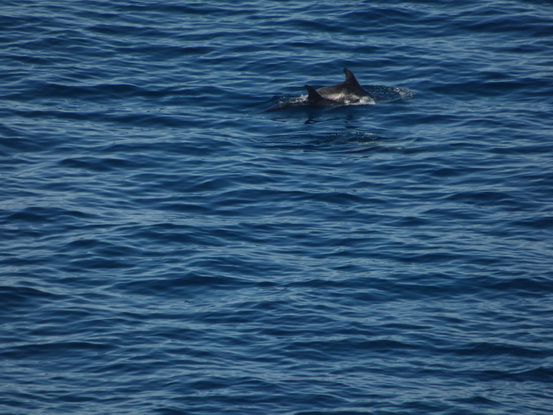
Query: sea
[[170, 246]]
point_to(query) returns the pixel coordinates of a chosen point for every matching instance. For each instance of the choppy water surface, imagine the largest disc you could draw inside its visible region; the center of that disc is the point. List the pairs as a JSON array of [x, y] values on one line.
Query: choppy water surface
[[168, 247]]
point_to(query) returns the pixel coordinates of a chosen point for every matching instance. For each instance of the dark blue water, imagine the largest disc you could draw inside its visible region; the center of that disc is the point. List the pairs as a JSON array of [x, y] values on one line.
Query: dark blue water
[[168, 247]]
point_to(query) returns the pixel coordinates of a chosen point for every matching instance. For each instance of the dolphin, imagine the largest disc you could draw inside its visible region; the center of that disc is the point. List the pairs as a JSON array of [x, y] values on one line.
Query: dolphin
[[316, 99], [347, 92]]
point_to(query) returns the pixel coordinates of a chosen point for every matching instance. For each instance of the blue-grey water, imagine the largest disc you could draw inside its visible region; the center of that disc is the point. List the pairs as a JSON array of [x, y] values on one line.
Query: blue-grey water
[[169, 247]]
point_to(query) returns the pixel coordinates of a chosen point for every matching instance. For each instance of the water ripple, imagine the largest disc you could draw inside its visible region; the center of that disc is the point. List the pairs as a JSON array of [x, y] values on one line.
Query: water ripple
[[168, 247]]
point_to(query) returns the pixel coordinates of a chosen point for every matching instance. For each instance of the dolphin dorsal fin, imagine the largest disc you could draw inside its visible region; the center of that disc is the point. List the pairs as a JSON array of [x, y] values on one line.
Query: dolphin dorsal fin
[[312, 95], [350, 79]]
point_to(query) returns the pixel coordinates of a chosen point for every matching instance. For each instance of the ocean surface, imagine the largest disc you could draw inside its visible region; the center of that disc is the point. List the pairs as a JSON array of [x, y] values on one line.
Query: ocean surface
[[168, 246]]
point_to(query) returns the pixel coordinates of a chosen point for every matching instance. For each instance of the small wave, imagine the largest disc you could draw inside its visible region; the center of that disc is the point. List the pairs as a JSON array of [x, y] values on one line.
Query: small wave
[[384, 93]]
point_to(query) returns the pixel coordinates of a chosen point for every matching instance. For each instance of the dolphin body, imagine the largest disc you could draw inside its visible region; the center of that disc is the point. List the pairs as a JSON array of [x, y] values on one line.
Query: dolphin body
[[315, 98], [347, 92]]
